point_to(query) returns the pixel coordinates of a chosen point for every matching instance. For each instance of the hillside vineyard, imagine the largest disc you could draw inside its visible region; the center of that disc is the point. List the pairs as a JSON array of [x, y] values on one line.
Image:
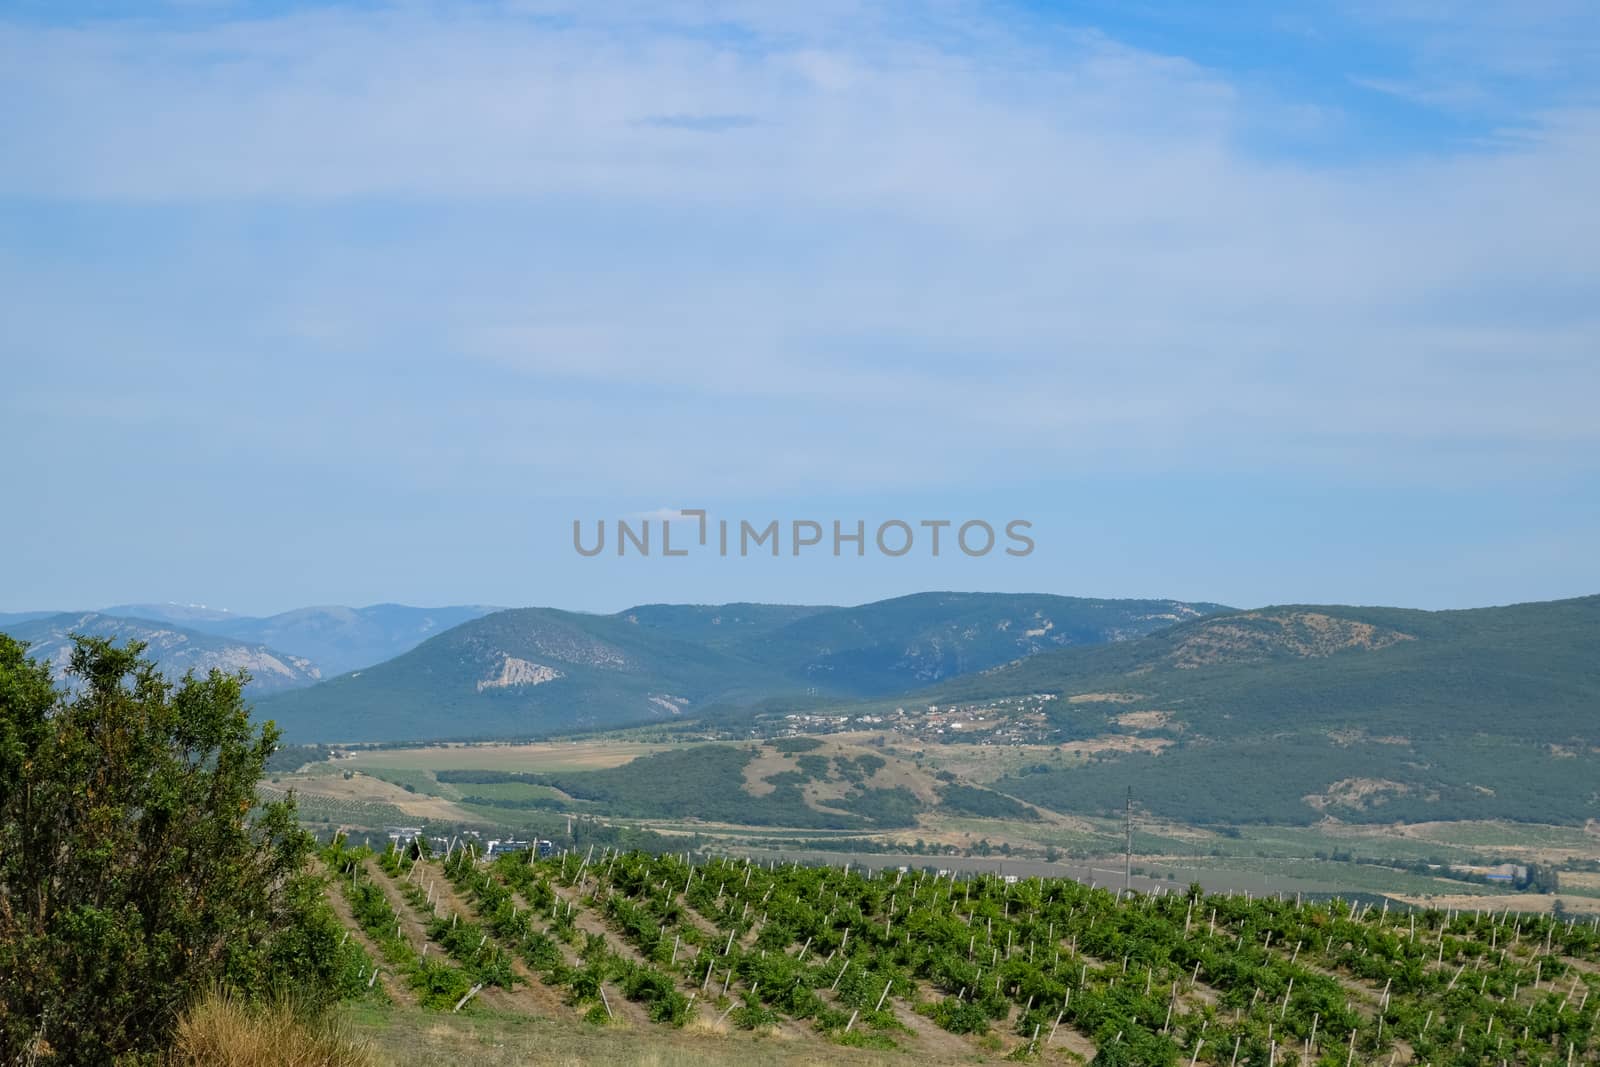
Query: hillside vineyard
[[940, 965]]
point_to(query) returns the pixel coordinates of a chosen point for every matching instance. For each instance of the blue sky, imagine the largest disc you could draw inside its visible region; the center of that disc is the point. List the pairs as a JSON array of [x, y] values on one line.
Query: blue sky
[[350, 303]]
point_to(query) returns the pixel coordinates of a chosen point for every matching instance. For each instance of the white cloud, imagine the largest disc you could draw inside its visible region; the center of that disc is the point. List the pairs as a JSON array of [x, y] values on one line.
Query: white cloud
[[847, 235]]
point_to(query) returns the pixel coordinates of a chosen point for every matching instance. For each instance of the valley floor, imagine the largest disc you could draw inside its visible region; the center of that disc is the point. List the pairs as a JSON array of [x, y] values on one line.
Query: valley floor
[[368, 791]]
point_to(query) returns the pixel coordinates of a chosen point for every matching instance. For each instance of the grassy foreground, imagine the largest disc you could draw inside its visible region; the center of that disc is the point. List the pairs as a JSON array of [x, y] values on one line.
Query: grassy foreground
[[412, 1037]]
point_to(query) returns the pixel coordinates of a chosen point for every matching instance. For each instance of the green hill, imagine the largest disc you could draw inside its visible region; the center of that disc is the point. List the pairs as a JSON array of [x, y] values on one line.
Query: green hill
[[537, 671], [1302, 712], [894, 645]]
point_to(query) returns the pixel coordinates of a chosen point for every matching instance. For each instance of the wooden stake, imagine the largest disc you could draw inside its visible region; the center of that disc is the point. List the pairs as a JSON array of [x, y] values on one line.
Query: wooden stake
[[469, 995]]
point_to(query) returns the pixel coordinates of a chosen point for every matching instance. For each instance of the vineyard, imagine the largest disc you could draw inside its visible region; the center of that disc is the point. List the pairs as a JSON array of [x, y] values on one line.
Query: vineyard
[[953, 969]]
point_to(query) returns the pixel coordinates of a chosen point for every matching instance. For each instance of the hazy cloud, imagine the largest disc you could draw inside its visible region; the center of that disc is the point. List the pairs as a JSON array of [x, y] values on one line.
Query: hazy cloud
[[700, 123], [1020, 244]]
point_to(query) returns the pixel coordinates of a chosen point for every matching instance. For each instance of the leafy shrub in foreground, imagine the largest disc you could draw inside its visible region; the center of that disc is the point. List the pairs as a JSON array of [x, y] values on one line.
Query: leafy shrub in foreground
[[138, 869]]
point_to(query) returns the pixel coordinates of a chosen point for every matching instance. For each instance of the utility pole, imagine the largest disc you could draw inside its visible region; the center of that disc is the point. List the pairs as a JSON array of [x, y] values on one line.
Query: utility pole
[[1127, 861]]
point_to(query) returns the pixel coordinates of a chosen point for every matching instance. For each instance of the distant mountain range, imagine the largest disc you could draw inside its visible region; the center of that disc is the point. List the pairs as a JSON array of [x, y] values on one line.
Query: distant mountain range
[[295, 648], [16, 618], [175, 649], [539, 671], [171, 611], [1292, 713], [337, 639]]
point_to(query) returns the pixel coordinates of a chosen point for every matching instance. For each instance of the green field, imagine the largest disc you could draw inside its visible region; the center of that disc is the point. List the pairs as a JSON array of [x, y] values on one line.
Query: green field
[[508, 791]]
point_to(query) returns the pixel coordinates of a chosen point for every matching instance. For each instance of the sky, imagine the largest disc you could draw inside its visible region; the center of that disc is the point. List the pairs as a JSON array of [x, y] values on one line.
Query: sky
[[354, 303]]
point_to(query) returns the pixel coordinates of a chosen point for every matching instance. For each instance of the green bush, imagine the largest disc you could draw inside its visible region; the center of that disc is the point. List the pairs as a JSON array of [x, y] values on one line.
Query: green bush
[[138, 869]]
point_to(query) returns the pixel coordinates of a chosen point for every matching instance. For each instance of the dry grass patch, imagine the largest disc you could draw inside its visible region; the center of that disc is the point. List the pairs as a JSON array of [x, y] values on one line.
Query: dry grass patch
[[1115, 743], [1533, 903], [1358, 793], [1580, 879], [1144, 720], [768, 762], [364, 787], [222, 1032], [404, 1039], [540, 756]]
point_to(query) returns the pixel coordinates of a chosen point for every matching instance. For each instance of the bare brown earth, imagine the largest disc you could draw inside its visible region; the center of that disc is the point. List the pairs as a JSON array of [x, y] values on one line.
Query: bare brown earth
[[1350, 737], [1506, 839], [413, 1039], [931, 1039], [412, 926], [397, 991], [1580, 879], [1529, 902], [1115, 743], [415, 929], [364, 787], [1356, 793], [1143, 720], [768, 762], [534, 996], [541, 756]]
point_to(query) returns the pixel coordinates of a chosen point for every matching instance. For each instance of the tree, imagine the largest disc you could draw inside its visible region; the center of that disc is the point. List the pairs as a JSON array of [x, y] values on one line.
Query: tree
[[137, 866]]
